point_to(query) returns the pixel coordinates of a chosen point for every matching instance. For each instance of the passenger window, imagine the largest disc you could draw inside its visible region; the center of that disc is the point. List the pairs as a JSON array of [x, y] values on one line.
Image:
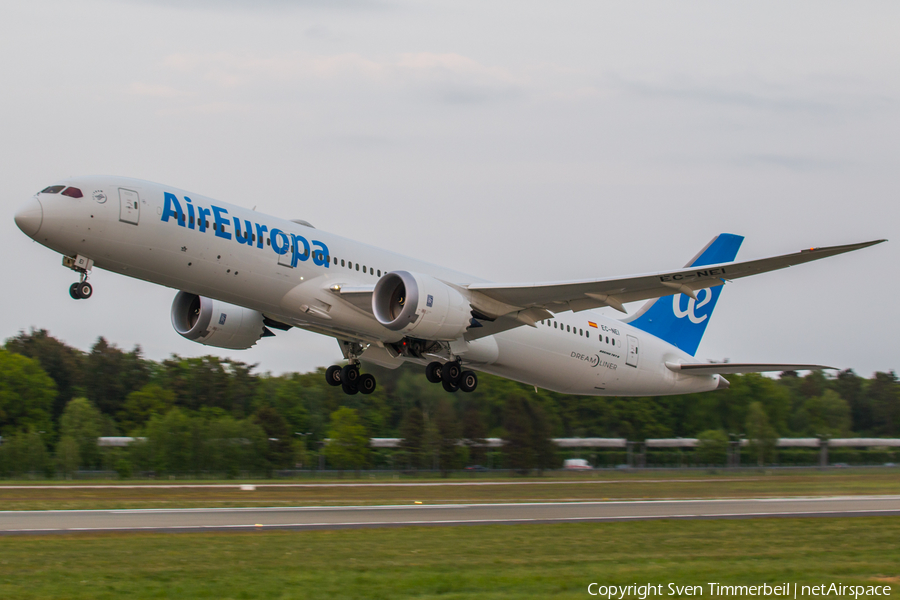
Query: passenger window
[[342, 262], [268, 241], [335, 260], [357, 266], [607, 339], [73, 192], [364, 268], [567, 328], [554, 324], [614, 342], [379, 272], [581, 332], [53, 189]]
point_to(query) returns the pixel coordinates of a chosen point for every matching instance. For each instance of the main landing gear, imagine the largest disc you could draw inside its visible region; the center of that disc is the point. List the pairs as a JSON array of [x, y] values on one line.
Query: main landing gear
[[350, 379], [451, 376]]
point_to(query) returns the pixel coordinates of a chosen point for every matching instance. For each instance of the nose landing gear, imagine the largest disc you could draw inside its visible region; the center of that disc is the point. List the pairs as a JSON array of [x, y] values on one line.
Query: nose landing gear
[[81, 264]]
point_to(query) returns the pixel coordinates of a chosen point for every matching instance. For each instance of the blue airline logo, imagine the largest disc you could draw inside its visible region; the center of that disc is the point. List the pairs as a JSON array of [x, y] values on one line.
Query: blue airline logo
[[703, 298], [281, 242]]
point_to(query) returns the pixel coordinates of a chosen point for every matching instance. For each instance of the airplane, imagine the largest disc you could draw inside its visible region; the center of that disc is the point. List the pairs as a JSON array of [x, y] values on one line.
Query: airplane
[[240, 274]]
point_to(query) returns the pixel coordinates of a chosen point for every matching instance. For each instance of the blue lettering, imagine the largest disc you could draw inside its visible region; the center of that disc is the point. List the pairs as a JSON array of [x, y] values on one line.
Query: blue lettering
[[202, 213], [298, 239], [321, 256], [260, 230], [245, 239], [278, 247], [169, 211], [221, 222], [190, 208]]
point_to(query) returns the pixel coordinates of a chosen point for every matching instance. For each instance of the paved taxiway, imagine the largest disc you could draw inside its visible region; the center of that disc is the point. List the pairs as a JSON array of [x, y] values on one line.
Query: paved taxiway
[[337, 517]]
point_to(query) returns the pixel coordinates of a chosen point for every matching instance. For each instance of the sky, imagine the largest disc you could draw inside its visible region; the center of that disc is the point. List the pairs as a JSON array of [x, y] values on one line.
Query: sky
[[515, 141]]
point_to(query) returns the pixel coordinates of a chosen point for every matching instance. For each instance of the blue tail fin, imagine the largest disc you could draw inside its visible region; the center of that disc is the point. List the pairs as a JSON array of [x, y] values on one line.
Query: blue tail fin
[[679, 319]]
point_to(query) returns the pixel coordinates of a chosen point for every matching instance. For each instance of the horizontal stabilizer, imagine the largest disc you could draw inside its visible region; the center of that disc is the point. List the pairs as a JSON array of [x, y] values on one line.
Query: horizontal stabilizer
[[737, 368]]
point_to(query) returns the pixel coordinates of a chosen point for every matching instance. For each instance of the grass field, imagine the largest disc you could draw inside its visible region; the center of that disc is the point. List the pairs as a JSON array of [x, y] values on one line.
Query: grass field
[[521, 562], [586, 486]]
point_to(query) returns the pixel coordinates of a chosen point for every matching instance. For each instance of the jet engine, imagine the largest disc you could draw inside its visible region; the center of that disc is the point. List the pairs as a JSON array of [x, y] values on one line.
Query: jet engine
[[421, 306], [216, 323]]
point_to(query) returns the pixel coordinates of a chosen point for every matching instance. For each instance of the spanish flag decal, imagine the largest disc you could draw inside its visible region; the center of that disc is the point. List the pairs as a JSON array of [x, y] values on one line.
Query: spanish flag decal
[[592, 324]]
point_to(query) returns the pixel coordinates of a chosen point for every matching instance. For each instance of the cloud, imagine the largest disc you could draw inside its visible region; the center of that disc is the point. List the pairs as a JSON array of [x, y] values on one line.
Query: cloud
[[791, 163], [448, 77], [155, 91], [801, 97]]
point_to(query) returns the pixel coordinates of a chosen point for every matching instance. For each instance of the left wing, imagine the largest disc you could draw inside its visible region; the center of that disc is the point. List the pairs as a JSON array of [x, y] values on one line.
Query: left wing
[[736, 368], [595, 293]]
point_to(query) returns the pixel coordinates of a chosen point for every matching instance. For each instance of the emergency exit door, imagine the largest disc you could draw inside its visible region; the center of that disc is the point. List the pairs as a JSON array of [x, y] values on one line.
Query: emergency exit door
[[129, 206], [631, 359]]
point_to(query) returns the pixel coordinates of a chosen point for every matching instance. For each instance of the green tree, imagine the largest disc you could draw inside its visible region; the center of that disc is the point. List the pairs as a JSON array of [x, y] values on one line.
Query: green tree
[[26, 453], [280, 451], [829, 414], [111, 374], [712, 447], [26, 394], [349, 443], [761, 434], [142, 404], [884, 393], [448, 431], [67, 456], [82, 422], [527, 444], [412, 431], [62, 363]]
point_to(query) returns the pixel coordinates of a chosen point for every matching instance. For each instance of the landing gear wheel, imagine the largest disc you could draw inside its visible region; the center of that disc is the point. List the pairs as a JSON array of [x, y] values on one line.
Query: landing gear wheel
[[333, 375], [433, 372], [366, 383], [350, 374], [349, 388], [449, 386], [450, 372], [468, 381], [73, 291], [85, 290]]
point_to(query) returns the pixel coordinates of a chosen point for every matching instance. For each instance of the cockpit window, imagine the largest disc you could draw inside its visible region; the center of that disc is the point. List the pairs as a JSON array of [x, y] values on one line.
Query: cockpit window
[[53, 189], [73, 192]]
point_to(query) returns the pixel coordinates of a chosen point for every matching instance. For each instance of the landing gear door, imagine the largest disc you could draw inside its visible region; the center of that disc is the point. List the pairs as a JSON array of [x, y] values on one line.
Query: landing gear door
[[129, 206], [631, 359]]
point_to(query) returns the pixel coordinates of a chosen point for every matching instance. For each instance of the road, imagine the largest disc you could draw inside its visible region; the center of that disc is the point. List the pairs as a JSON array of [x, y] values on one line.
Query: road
[[331, 517]]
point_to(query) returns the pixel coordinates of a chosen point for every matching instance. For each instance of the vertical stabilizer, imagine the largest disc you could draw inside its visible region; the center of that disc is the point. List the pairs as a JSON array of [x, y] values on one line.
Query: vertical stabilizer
[[679, 319]]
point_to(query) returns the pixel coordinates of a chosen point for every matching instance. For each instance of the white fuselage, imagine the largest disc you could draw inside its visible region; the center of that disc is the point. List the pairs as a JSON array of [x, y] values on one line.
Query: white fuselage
[[576, 353]]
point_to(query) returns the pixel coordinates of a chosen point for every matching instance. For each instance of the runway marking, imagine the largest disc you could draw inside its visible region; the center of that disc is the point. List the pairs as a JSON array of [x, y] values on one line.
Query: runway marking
[[237, 486], [235, 509], [537, 520]]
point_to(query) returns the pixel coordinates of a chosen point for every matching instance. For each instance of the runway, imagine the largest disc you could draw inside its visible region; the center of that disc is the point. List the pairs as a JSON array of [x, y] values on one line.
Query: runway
[[340, 517]]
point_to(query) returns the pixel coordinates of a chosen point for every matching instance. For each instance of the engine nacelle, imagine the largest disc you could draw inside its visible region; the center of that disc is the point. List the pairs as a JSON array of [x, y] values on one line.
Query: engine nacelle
[[216, 323], [421, 306]]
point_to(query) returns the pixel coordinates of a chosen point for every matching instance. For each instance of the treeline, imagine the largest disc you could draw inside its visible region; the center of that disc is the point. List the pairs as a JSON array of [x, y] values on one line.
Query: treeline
[[211, 415]]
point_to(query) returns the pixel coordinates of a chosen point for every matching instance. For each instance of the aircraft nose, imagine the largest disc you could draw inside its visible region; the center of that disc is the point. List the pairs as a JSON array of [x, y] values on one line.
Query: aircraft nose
[[30, 216]]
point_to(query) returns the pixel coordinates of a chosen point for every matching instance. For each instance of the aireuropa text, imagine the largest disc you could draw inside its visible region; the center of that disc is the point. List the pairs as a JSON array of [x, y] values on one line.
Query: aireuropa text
[[784, 590]]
